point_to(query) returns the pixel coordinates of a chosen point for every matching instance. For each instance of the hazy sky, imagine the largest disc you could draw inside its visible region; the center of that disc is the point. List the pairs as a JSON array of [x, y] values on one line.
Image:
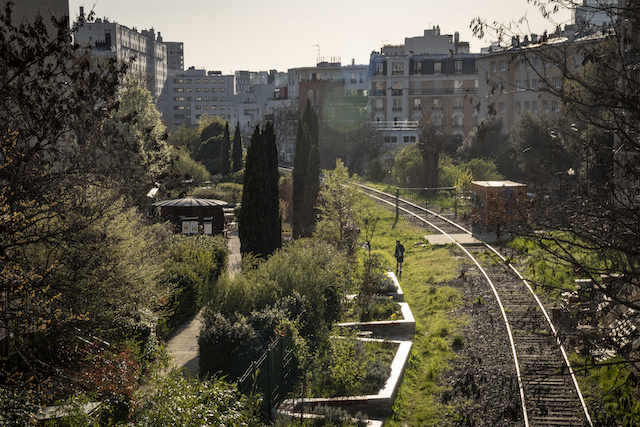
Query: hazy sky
[[280, 34]]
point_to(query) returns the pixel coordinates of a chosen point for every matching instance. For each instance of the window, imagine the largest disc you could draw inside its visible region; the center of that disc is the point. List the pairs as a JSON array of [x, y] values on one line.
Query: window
[[503, 65], [458, 67], [437, 67], [417, 104], [398, 68], [545, 105], [222, 98], [518, 86], [198, 98], [189, 81], [503, 87], [205, 107], [397, 88], [198, 107], [535, 83], [214, 107], [436, 103], [417, 67], [379, 105], [206, 89], [458, 85], [494, 66], [198, 81], [379, 68], [205, 81], [557, 82], [534, 106], [407, 139], [222, 107], [178, 98], [213, 89], [178, 107], [354, 78], [206, 98], [198, 89], [518, 106], [178, 89], [220, 81], [555, 106], [221, 89], [397, 104], [501, 108], [178, 80], [527, 106], [188, 89], [536, 62], [457, 103]]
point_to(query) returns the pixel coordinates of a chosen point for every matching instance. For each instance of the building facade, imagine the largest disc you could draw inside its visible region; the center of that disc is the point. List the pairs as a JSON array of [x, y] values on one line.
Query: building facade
[[175, 56], [110, 39], [195, 93]]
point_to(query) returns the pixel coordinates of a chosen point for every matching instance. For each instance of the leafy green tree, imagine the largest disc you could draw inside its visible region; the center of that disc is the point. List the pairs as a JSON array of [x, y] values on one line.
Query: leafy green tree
[[225, 151], [259, 224], [488, 140], [431, 143], [237, 149], [306, 173], [339, 204], [538, 149], [139, 123], [408, 167]]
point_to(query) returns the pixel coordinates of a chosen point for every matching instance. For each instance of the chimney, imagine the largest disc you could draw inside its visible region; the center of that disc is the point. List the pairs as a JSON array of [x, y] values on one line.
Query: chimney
[[534, 38], [456, 37]]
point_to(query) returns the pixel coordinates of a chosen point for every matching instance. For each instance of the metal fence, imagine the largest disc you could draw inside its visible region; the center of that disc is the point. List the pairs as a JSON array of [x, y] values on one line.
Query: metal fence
[[273, 375]]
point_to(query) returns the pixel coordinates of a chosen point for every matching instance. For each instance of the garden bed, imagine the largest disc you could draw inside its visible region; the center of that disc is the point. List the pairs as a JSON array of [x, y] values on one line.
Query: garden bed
[[379, 404], [405, 326]]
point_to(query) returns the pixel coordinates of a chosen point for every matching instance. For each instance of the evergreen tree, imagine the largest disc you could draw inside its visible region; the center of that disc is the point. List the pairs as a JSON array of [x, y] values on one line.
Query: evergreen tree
[[306, 172], [258, 216], [237, 150], [224, 151]]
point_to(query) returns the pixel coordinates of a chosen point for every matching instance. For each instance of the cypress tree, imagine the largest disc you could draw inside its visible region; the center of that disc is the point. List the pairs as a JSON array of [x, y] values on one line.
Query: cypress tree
[[306, 172], [258, 217], [237, 150], [224, 151]]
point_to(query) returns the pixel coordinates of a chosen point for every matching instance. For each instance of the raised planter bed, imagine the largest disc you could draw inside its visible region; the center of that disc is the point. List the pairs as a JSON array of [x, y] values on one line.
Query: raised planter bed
[[387, 328], [374, 404]]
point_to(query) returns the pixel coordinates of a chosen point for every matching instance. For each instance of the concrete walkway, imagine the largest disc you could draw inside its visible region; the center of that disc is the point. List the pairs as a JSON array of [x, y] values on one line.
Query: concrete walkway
[[183, 346]]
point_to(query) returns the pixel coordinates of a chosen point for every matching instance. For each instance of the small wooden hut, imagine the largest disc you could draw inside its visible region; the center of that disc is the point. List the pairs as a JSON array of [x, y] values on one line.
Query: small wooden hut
[[194, 216], [496, 204]]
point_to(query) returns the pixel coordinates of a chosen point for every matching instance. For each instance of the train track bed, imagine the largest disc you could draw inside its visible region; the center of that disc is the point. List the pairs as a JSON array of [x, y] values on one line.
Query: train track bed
[[512, 370]]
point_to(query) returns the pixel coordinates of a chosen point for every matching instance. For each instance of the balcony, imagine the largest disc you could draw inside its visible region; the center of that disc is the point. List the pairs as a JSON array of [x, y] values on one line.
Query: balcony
[[396, 109], [396, 92], [442, 91], [378, 92]]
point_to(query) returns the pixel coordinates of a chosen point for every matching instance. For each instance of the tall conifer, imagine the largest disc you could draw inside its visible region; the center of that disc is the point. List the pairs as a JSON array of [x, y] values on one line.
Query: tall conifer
[[258, 218], [306, 172], [237, 150], [225, 151]]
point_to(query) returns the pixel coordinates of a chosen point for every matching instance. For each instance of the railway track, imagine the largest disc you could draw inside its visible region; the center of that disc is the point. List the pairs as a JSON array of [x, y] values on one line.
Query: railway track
[[549, 392]]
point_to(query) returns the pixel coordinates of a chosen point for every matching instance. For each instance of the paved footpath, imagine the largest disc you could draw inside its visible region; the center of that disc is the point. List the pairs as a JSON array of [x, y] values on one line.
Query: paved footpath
[[183, 346]]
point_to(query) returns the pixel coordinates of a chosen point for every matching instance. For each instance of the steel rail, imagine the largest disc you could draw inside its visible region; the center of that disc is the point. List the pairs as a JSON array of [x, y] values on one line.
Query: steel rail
[[495, 292]]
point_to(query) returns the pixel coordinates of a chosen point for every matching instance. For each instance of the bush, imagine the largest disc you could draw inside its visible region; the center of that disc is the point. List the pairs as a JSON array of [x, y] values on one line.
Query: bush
[[228, 345]]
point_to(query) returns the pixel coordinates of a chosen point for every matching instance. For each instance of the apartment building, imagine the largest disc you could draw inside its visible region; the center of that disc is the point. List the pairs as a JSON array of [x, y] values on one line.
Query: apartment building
[[175, 56], [110, 39], [195, 93], [339, 95], [525, 77]]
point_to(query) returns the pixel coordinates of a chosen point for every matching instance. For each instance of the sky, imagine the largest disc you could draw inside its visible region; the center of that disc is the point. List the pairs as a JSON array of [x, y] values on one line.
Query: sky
[[259, 35]]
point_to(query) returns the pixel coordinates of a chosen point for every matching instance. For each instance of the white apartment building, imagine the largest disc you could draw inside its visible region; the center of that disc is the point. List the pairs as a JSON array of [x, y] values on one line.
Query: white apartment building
[[195, 93], [110, 39], [595, 13]]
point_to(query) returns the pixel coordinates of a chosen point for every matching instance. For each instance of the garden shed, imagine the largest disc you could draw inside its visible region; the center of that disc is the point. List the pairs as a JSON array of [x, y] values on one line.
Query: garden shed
[[496, 204], [193, 215]]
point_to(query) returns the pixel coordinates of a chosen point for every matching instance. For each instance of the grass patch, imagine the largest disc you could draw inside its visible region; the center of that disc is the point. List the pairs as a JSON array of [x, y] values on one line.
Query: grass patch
[[425, 273]]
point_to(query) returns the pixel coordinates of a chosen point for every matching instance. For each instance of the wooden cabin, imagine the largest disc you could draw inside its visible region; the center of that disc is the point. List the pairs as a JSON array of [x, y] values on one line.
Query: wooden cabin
[[497, 204]]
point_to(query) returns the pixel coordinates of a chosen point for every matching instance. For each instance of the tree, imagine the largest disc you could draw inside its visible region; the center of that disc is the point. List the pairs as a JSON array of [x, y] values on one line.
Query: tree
[[237, 149], [488, 140], [258, 217], [306, 172], [431, 143], [225, 151], [538, 150], [76, 256], [338, 202]]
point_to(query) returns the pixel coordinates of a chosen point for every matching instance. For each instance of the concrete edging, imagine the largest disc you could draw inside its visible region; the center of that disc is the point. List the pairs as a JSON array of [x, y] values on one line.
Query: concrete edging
[[373, 404]]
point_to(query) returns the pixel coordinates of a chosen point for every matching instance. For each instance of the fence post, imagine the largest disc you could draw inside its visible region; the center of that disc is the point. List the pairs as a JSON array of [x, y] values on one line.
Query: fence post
[[397, 207], [455, 202]]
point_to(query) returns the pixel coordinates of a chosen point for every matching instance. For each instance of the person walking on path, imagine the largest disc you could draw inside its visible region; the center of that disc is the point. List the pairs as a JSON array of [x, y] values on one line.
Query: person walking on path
[[399, 254]]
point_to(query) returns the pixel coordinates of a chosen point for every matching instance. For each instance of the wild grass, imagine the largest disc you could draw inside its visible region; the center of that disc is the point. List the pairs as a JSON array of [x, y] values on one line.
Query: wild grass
[[425, 274]]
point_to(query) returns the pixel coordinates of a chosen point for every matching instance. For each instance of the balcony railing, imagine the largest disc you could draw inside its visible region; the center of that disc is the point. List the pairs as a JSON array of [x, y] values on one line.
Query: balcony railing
[[396, 92], [403, 125], [442, 91]]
